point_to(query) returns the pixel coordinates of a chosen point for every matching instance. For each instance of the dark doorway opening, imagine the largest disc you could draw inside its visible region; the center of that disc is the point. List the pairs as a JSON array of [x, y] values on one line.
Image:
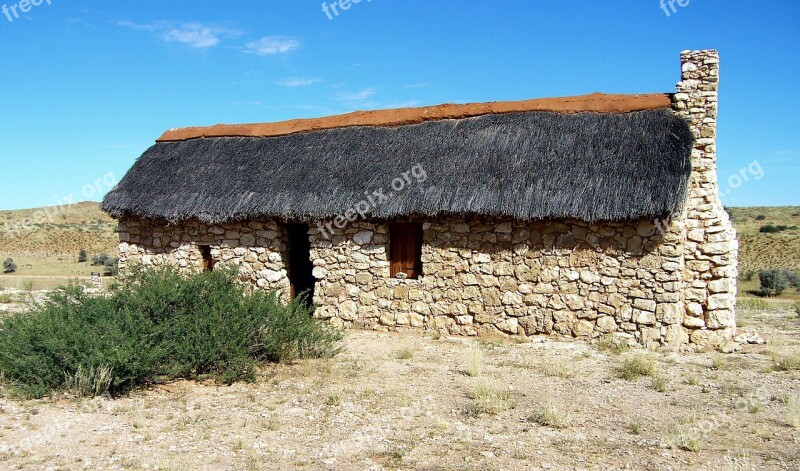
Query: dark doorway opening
[[301, 268], [208, 259]]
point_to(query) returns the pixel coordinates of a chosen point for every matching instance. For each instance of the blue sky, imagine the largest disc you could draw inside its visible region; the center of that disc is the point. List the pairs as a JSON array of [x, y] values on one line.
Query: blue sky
[[87, 86]]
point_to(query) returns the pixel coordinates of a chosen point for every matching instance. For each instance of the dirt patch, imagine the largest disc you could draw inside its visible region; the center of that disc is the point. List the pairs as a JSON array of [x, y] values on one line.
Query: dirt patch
[[407, 401], [596, 102]]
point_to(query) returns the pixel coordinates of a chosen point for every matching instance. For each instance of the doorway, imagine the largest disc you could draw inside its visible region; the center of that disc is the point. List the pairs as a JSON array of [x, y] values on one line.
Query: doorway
[[301, 268]]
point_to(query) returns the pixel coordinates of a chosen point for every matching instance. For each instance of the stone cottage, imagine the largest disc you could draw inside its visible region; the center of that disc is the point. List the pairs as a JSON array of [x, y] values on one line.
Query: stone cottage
[[575, 217]]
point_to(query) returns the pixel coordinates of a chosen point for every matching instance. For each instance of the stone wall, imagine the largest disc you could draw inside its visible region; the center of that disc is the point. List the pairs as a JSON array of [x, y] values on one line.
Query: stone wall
[[565, 278], [660, 283], [257, 247], [711, 248]]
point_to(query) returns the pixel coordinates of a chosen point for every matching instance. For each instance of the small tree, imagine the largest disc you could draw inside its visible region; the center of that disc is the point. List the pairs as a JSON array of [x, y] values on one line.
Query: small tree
[[111, 267], [773, 282], [9, 266], [100, 260], [82, 256], [792, 278]]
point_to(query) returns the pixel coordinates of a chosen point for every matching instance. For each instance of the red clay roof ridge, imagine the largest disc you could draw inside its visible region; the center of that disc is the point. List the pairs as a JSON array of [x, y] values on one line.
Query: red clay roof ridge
[[592, 103]]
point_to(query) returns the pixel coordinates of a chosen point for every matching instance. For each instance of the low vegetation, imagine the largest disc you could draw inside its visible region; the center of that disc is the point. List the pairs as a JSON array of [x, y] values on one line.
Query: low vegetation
[[793, 412], [154, 325], [9, 266], [551, 416], [636, 366], [612, 344], [108, 263], [474, 362], [688, 438], [486, 399], [772, 229], [773, 282]]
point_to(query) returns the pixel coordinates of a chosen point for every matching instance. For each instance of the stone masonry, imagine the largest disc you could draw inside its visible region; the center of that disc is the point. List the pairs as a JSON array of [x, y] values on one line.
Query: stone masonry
[[711, 248], [257, 248], [662, 284]]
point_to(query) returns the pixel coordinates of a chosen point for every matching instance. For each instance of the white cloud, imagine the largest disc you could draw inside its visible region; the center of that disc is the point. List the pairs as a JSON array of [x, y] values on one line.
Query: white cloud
[[356, 96], [417, 85], [194, 34], [298, 81], [246, 103], [403, 104], [271, 45]]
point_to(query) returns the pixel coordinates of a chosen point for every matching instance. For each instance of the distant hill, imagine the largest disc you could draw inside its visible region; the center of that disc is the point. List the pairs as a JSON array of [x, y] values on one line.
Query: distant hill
[[56, 231], [84, 226], [760, 250]]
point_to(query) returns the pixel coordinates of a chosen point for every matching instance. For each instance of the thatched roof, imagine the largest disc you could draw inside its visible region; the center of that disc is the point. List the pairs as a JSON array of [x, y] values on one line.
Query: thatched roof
[[524, 165]]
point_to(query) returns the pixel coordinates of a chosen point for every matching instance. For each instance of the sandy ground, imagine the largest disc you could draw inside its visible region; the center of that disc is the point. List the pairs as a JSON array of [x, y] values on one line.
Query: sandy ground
[[413, 401]]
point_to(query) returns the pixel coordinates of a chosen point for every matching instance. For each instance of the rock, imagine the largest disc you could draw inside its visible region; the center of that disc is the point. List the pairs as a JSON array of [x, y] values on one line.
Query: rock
[[606, 324], [363, 237]]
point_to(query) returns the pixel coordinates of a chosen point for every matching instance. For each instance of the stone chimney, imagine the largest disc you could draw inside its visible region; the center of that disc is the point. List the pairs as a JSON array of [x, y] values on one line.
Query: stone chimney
[[710, 248]]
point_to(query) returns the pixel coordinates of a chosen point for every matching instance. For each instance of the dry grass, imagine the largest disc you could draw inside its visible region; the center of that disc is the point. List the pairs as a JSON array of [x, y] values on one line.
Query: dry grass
[[612, 344], [785, 360], [560, 369], [637, 366], [486, 399], [688, 438], [550, 415], [474, 361], [89, 382], [758, 251], [793, 411], [81, 226], [661, 384], [367, 409], [405, 354]]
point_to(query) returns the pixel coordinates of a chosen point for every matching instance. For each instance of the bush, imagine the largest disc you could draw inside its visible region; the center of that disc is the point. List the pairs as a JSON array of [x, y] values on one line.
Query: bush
[[101, 260], [82, 256], [9, 266], [636, 366], [760, 217], [771, 229], [155, 325], [773, 282], [792, 278], [748, 275], [111, 267]]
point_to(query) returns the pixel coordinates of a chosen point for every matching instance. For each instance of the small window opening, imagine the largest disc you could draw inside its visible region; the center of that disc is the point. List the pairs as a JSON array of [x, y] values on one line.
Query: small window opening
[[405, 250], [208, 259]]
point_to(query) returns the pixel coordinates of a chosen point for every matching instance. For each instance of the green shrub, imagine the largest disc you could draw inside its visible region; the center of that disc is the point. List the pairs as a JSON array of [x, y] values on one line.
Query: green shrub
[[101, 260], [772, 229], [9, 266], [155, 325], [773, 282], [792, 278], [111, 267], [748, 275], [82, 256], [760, 217]]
